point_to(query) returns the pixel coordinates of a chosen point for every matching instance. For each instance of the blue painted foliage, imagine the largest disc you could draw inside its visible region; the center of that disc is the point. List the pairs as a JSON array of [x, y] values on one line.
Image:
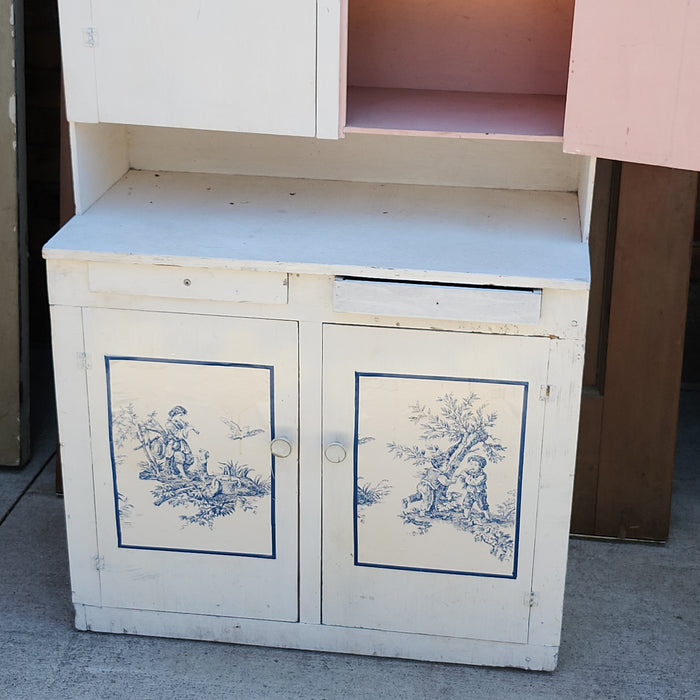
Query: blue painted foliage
[[181, 477], [456, 444]]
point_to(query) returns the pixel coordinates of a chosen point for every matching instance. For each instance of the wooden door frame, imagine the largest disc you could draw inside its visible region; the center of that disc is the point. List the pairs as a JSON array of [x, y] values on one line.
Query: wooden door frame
[[641, 244]]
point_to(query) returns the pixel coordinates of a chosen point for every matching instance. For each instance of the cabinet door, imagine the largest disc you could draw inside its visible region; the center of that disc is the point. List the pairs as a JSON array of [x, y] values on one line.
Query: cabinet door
[[633, 82], [231, 65], [194, 514], [429, 522]]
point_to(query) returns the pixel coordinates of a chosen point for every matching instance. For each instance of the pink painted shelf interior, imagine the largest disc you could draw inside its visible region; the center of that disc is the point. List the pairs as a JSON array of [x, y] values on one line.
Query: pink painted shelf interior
[[455, 114], [484, 68]]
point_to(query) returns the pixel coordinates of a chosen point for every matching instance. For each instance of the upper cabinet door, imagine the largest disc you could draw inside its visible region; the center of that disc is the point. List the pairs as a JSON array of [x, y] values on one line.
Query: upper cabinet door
[[231, 65], [633, 90]]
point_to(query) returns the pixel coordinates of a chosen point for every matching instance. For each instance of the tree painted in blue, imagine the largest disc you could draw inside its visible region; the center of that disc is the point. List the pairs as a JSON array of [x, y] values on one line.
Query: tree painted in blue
[[182, 478], [125, 508], [457, 443], [367, 494]]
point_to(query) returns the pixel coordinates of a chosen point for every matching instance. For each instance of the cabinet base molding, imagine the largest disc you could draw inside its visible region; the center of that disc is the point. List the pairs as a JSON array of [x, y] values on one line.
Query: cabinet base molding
[[311, 637]]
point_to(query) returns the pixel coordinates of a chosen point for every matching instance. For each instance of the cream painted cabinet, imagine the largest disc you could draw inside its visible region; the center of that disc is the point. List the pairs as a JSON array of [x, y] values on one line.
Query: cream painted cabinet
[[270, 442], [324, 393]]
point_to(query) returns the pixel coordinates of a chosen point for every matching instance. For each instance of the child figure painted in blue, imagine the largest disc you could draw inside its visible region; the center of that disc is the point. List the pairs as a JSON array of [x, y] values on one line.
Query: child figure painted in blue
[[178, 453], [431, 490], [472, 481]]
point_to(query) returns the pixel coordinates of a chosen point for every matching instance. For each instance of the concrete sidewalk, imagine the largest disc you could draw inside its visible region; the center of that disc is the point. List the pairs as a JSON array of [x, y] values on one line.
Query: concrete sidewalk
[[631, 621]]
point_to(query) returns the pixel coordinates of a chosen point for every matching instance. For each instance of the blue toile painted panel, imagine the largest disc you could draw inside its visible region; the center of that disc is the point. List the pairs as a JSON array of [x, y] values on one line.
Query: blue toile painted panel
[[191, 462], [438, 473]]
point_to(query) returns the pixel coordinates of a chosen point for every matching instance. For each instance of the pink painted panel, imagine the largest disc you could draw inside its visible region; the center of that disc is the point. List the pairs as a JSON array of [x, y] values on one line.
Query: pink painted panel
[[455, 114], [509, 46], [634, 83]]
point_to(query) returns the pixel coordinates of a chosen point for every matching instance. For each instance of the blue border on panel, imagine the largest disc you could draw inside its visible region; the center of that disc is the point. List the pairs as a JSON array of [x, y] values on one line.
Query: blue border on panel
[[521, 457], [273, 509]]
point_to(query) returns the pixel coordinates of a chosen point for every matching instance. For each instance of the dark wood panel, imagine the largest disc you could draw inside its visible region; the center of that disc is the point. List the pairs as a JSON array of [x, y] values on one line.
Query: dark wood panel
[[644, 353], [601, 244], [583, 513], [601, 247]]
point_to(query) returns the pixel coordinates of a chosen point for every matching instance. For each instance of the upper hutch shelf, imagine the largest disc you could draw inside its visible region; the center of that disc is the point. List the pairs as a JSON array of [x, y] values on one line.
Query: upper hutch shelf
[[455, 114], [611, 78], [450, 68]]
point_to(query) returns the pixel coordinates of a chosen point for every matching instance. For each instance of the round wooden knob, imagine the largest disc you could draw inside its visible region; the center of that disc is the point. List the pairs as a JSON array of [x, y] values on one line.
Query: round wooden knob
[[335, 453], [281, 447]]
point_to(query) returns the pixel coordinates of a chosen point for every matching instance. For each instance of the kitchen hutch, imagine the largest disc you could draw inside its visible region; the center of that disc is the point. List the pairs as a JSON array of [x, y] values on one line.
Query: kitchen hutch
[[318, 324]]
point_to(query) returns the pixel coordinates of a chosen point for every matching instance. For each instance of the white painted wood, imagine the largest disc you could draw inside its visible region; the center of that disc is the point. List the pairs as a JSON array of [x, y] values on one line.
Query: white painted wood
[[585, 195], [79, 79], [555, 490], [398, 592], [331, 60], [189, 283], [437, 301], [311, 299], [485, 237], [310, 486], [99, 157], [320, 638], [76, 459], [226, 64], [151, 558], [261, 244], [371, 158]]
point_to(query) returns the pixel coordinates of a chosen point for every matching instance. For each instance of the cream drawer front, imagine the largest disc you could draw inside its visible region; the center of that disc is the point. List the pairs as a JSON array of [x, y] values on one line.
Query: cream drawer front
[[188, 283], [449, 302]]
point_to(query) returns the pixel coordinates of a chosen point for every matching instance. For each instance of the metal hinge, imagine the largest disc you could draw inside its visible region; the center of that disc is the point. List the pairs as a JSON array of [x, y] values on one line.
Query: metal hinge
[[99, 562], [83, 361], [90, 37], [546, 392], [531, 600]]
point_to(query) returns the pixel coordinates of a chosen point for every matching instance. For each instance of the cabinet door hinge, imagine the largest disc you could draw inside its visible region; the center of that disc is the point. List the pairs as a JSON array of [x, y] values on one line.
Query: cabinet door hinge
[[547, 392], [83, 360], [531, 599], [99, 562], [90, 37]]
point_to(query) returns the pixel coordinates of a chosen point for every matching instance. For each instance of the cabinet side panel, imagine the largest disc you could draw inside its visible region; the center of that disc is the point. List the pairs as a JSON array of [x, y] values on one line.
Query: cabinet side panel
[[555, 489], [632, 92], [99, 158], [76, 459]]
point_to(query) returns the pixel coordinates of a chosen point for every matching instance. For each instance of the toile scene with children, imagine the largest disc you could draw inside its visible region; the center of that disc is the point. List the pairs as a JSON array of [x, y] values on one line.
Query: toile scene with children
[[457, 444]]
